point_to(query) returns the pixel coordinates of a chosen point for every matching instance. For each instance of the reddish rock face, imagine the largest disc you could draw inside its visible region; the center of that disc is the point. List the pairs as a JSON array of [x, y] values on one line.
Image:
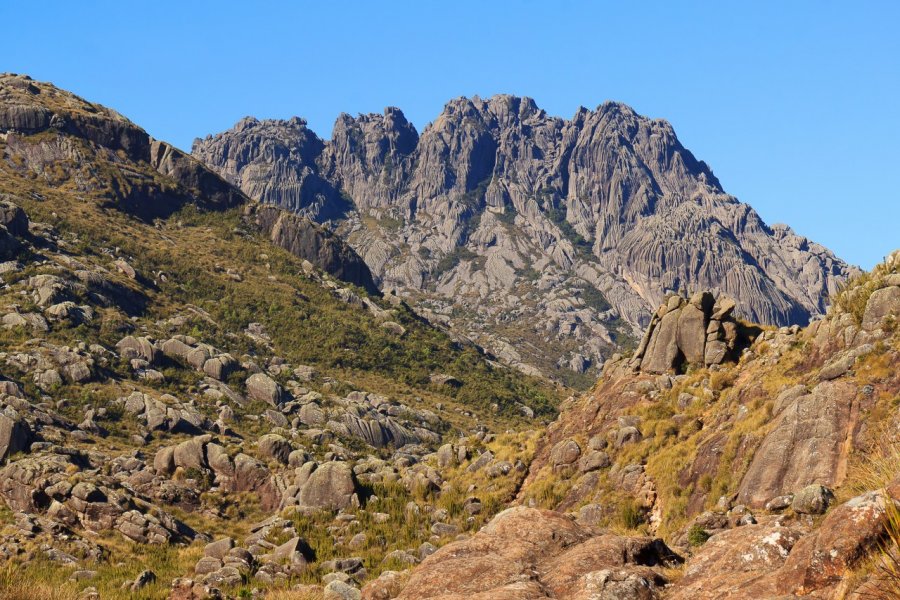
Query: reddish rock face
[[824, 557], [736, 561], [806, 444], [774, 561], [526, 553]]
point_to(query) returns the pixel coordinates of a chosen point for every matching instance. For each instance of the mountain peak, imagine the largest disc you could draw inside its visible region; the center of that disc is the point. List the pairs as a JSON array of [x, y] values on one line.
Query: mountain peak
[[496, 199]]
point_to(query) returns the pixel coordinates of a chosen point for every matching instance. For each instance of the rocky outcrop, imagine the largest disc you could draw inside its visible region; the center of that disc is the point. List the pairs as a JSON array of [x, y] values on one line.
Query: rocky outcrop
[[775, 560], [525, 554], [305, 239], [698, 332], [275, 164], [749, 451], [582, 225], [209, 188], [28, 107], [328, 486]]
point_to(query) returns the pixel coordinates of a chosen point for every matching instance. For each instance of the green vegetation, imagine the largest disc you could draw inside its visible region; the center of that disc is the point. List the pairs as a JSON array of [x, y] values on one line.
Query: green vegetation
[[453, 258], [697, 536], [558, 216], [594, 298]]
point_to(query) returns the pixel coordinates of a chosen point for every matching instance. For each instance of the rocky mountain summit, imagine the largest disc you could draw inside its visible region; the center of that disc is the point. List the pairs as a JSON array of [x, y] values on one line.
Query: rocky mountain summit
[[547, 241]]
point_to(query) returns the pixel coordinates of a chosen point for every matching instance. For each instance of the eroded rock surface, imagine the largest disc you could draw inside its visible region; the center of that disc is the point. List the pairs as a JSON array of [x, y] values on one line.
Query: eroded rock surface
[[528, 554], [581, 226]]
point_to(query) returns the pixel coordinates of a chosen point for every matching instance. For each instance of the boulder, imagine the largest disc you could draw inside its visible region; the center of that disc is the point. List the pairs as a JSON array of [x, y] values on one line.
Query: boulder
[[881, 304], [9, 245], [290, 552], [265, 389], [339, 590], [700, 331], [191, 454], [662, 352], [565, 452], [331, 486], [207, 564], [220, 367], [13, 218], [691, 333], [275, 447], [446, 456], [594, 460], [15, 436], [140, 347], [219, 548], [805, 444], [812, 500], [143, 580], [175, 349]]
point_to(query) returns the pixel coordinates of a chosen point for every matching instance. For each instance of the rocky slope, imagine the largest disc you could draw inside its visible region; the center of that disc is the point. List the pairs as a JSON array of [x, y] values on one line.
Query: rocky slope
[[547, 241], [199, 395], [777, 476]]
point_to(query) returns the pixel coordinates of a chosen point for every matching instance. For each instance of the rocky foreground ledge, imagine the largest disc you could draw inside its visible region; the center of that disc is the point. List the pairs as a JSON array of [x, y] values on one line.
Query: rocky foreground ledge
[[768, 472]]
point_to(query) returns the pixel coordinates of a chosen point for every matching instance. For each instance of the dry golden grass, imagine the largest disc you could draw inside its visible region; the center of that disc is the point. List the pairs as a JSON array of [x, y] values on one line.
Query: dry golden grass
[[17, 585], [293, 595], [878, 470]]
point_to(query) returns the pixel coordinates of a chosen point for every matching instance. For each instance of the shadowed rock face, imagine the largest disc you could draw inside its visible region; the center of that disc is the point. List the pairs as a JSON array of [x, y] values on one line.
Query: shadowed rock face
[[28, 107], [301, 237], [580, 225]]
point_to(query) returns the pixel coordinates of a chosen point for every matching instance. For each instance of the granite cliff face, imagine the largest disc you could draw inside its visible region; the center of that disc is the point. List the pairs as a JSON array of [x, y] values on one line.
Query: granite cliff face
[[548, 241]]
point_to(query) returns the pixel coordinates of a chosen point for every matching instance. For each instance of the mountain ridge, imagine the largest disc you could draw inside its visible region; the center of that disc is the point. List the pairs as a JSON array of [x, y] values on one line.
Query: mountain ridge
[[496, 199]]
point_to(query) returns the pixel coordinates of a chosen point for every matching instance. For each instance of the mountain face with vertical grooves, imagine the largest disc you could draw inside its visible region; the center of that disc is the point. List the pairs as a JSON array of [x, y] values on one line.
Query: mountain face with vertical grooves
[[548, 241]]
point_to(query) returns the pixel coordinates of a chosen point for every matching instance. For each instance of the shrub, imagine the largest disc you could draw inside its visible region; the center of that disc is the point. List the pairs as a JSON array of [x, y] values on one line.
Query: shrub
[[630, 514], [697, 536]]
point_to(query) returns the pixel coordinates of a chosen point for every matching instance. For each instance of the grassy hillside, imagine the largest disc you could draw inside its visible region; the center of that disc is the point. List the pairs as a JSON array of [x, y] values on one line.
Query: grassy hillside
[[115, 248]]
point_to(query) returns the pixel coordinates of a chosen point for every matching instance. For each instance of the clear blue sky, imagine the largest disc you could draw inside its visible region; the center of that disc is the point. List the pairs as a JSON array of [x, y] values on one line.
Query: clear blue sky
[[795, 105]]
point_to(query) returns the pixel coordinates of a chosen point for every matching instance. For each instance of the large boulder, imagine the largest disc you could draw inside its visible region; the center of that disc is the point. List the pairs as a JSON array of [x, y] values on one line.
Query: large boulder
[[331, 486], [265, 389], [805, 444], [303, 238], [881, 304], [9, 245], [275, 447], [140, 347], [692, 322], [565, 452], [13, 218], [15, 435], [526, 553], [191, 454], [700, 332], [812, 500], [662, 351]]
